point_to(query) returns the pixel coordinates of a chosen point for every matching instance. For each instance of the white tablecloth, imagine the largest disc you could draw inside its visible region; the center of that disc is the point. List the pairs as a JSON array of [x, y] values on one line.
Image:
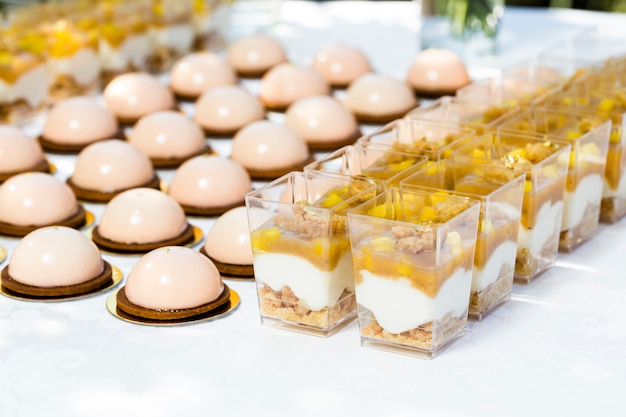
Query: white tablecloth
[[558, 348]]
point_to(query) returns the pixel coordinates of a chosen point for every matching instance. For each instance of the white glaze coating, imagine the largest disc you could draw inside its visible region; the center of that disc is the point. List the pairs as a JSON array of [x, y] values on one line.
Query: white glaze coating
[[341, 64], [167, 134], [255, 53], [18, 151], [178, 37], [285, 84], [79, 120], [321, 119], [32, 87], [437, 70], [55, 256], [227, 108], [173, 277], [142, 215], [379, 96], [210, 181], [199, 72], [111, 165], [35, 198], [136, 94], [265, 145], [134, 50], [588, 192], [83, 66]]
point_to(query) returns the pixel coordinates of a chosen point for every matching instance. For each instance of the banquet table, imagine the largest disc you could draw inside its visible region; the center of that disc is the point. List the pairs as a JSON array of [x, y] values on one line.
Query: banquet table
[[557, 348]]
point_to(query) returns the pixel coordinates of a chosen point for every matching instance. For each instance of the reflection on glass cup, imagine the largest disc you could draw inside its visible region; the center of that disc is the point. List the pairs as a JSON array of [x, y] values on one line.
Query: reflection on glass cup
[[301, 255], [413, 256], [500, 192]]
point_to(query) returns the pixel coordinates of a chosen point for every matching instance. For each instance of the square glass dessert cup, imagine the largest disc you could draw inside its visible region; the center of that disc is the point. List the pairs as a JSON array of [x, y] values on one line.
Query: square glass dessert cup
[[301, 250], [171, 33], [413, 255], [601, 95], [478, 115], [545, 162], [382, 166], [588, 136], [433, 140], [511, 91], [500, 191]]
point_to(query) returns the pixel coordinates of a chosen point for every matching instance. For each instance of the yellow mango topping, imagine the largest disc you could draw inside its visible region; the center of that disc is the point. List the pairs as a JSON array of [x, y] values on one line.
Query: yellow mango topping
[[332, 200], [517, 154], [114, 35], [438, 197], [261, 239], [528, 185], [63, 44], [571, 134], [33, 43], [478, 153], [607, 105], [616, 137], [401, 166], [432, 168], [383, 245], [378, 211], [427, 214]]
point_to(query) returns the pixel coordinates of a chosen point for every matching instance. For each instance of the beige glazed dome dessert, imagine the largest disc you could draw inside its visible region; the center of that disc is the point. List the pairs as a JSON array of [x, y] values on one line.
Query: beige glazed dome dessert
[[172, 283], [228, 242], [375, 98], [76, 122], [222, 111], [169, 138], [209, 185], [196, 73], [285, 84], [252, 56], [437, 72], [19, 153], [268, 150], [323, 122], [106, 168], [33, 200], [140, 220], [56, 262], [133, 95], [341, 64]]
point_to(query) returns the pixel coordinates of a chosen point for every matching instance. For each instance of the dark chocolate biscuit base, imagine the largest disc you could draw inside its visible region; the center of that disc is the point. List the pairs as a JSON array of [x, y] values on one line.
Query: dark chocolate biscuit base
[[125, 307], [382, 119], [73, 148], [41, 166], [275, 173], [94, 196], [209, 211], [251, 75], [432, 94], [233, 270], [139, 248], [75, 221], [334, 145], [170, 163], [63, 291], [220, 134]]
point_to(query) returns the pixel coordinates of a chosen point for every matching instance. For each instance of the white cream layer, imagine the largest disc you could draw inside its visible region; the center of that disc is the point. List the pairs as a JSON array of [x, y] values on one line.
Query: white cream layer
[[620, 191], [548, 225], [398, 306], [84, 66], [135, 49], [504, 254], [178, 37], [588, 192], [319, 289], [31, 87]]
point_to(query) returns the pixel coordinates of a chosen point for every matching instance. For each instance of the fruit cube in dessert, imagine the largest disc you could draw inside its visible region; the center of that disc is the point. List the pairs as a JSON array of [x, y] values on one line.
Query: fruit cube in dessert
[[604, 95], [171, 33], [545, 163], [589, 139], [370, 162], [301, 255], [434, 140], [479, 115], [500, 192], [413, 255], [123, 43]]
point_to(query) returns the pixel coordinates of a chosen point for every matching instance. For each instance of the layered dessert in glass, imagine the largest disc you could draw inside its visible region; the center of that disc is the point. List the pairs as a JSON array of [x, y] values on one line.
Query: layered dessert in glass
[[604, 94], [545, 163], [434, 140], [511, 91], [588, 136], [123, 43], [171, 33], [413, 254], [379, 165], [500, 191], [301, 255], [23, 77], [479, 115]]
